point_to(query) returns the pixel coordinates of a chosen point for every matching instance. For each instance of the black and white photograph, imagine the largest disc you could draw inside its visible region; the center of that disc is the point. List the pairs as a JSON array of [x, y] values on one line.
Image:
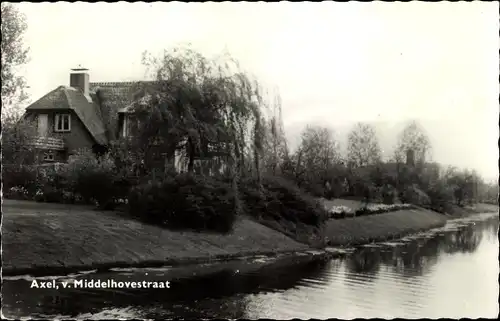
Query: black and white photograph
[[250, 160]]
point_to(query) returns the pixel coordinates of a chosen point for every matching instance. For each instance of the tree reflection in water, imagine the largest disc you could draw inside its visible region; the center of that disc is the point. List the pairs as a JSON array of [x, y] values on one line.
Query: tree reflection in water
[[225, 294], [202, 297], [417, 257]]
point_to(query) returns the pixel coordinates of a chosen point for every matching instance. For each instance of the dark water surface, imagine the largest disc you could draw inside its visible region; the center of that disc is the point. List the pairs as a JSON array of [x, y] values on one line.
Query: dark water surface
[[448, 272]]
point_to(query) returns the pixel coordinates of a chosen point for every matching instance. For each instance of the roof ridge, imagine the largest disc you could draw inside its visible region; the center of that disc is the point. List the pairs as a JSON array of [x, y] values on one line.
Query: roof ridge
[[66, 95], [112, 83]]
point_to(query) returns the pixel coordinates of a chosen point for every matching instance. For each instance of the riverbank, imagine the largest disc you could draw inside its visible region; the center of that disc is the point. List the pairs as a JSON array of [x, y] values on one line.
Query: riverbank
[[391, 225], [381, 227], [49, 239], [55, 239]]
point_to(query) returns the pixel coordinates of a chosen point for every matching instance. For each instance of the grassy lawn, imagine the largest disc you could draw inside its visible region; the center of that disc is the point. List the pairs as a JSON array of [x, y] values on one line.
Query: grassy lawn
[[381, 227], [40, 235]]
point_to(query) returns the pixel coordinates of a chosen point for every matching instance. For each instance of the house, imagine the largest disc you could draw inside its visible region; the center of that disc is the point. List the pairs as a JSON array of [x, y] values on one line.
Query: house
[[72, 117], [83, 115]]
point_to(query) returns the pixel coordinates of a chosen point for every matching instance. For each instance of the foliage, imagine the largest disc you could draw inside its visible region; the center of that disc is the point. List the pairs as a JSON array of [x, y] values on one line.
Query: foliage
[[363, 187], [52, 184], [14, 55], [389, 194], [414, 195], [94, 179], [341, 212], [281, 200], [363, 148], [316, 157], [212, 105], [413, 138], [441, 196], [185, 201], [273, 148], [19, 176], [18, 193], [16, 135], [382, 208], [464, 183]]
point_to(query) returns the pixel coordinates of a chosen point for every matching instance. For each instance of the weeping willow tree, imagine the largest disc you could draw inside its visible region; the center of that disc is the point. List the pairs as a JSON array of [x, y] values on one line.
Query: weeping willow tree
[[203, 109]]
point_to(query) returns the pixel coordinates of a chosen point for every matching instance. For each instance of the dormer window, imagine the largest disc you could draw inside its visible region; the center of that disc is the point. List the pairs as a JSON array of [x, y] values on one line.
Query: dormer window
[[62, 123]]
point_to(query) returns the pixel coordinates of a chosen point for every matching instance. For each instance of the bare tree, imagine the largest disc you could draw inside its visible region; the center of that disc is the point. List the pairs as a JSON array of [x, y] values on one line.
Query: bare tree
[[414, 138], [317, 154], [275, 149], [363, 147]]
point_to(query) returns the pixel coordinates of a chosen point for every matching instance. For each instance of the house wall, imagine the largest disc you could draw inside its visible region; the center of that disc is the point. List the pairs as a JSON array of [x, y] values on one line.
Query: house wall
[[78, 138], [59, 156]]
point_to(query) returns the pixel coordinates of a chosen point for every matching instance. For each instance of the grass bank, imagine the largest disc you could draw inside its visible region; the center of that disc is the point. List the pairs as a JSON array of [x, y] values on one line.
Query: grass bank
[[457, 211], [381, 227], [45, 239], [55, 239]]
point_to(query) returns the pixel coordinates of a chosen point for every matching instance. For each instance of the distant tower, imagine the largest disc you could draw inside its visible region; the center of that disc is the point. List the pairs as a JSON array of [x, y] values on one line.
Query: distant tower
[[410, 157]]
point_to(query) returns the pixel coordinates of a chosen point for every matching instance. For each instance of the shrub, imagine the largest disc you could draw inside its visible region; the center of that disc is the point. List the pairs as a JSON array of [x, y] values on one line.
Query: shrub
[[50, 195], [17, 193], [279, 200], [16, 176], [441, 197], [93, 178], [382, 208], [388, 194], [414, 195], [340, 212], [185, 201]]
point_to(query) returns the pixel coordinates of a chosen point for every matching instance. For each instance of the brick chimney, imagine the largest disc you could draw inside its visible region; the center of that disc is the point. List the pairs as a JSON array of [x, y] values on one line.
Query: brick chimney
[[79, 79], [410, 157]]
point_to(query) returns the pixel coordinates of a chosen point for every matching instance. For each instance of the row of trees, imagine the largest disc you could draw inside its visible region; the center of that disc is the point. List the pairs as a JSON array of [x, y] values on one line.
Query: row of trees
[[213, 113], [318, 166], [211, 110]]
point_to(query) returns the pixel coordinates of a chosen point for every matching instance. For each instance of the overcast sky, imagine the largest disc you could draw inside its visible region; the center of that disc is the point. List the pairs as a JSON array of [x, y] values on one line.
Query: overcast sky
[[334, 63]]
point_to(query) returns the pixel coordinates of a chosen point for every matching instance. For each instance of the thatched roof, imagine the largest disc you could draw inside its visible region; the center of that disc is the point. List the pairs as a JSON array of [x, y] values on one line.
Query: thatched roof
[[86, 108], [98, 111]]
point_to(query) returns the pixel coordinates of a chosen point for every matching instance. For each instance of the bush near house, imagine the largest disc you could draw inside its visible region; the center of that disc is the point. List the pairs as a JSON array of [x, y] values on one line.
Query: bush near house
[[281, 199], [84, 179], [97, 179], [190, 201], [16, 176], [185, 201]]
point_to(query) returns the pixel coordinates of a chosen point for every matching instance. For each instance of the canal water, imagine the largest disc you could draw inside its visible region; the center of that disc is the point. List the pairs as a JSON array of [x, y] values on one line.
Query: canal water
[[450, 272]]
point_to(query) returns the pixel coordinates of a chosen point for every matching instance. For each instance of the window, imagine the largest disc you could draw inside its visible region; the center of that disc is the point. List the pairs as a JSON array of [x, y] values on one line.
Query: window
[[62, 123], [48, 156], [131, 125]]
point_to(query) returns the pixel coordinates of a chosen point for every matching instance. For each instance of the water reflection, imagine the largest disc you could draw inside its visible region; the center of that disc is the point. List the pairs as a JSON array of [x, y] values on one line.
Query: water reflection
[[366, 261], [218, 290], [431, 275], [417, 257]]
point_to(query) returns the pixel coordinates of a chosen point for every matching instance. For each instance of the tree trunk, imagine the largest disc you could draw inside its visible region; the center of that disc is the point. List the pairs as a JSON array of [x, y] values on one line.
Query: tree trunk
[[234, 172], [191, 153]]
